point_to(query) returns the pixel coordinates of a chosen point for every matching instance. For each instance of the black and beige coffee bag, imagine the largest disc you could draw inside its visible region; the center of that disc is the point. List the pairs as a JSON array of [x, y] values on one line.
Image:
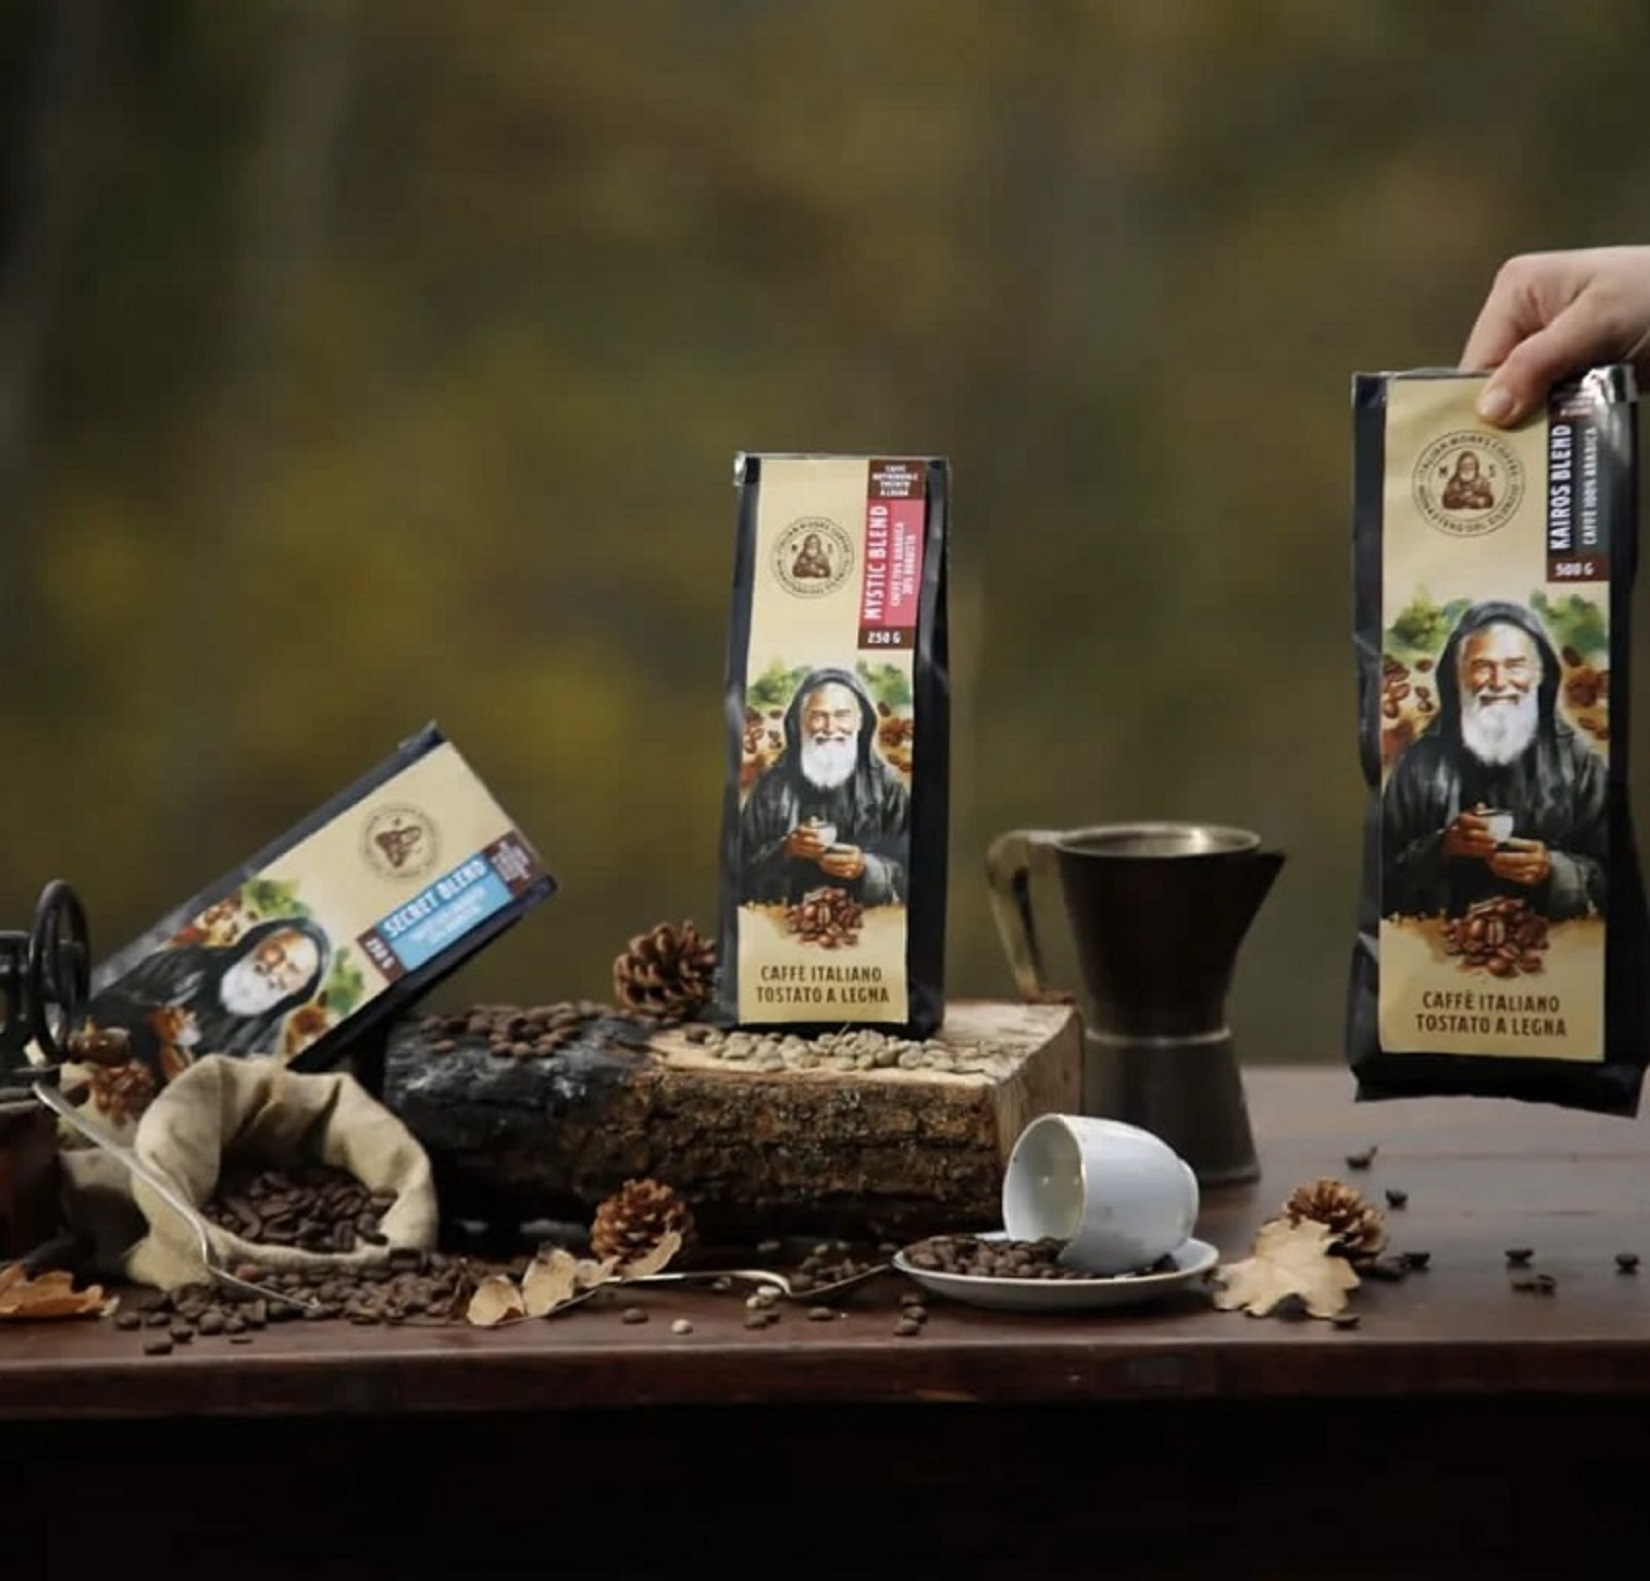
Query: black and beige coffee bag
[[334, 929], [834, 838], [1502, 943]]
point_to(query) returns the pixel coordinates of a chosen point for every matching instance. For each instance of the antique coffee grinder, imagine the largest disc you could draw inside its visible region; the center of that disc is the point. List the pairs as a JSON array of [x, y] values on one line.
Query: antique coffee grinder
[[44, 977]]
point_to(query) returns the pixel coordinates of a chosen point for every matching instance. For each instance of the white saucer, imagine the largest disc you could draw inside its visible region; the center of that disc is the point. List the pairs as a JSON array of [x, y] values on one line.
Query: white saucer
[[1193, 1259]]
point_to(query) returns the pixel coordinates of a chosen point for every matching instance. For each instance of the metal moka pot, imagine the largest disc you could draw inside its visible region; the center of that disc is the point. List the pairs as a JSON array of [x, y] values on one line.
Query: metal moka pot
[[1157, 913]]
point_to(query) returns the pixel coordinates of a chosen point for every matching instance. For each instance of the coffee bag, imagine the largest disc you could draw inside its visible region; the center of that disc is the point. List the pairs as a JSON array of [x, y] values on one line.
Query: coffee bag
[[335, 928], [834, 838], [1502, 930]]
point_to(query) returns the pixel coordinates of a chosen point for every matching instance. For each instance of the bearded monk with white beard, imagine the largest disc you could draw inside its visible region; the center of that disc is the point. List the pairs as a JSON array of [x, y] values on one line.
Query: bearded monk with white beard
[[1495, 742], [830, 777]]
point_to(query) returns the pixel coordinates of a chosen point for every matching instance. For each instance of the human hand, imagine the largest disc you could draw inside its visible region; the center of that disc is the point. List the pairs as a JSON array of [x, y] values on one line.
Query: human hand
[[1550, 315], [1469, 835], [843, 861], [1521, 862]]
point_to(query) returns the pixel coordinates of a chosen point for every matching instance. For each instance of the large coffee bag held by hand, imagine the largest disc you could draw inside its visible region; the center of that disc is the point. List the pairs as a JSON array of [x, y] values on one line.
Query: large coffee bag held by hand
[[834, 837], [1503, 948]]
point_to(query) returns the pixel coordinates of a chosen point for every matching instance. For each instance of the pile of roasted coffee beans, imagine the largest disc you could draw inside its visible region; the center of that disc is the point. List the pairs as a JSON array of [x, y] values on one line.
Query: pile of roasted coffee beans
[[829, 1262], [123, 1092], [983, 1258], [413, 1286], [527, 1033], [1501, 935], [828, 916], [1397, 684], [315, 1207]]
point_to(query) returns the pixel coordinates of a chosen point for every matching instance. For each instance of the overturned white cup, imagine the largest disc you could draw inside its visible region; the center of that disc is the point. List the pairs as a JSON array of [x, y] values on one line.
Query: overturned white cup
[[1118, 1197]]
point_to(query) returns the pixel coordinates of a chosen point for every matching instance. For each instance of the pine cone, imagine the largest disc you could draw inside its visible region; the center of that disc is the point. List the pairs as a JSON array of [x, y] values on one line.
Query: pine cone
[[1358, 1227], [630, 1223], [666, 972]]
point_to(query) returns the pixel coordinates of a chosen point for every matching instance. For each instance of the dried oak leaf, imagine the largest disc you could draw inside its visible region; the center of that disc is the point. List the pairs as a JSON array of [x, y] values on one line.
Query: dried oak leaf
[[1288, 1261], [50, 1295], [497, 1299], [655, 1258], [555, 1277]]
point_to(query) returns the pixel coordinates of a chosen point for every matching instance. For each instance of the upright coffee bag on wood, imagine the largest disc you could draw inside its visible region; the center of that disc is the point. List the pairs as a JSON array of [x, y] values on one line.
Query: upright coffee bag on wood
[[1502, 946], [834, 837]]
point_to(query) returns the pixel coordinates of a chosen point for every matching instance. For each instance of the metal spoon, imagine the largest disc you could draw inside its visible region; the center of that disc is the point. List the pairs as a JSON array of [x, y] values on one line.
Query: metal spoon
[[766, 1276]]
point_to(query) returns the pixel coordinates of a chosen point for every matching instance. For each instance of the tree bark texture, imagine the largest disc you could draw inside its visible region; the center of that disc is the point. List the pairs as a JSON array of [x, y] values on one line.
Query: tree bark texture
[[884, 1153]]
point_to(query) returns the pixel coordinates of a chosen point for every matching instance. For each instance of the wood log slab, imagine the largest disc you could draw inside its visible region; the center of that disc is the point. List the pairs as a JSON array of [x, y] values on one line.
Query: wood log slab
[[755, 1146]]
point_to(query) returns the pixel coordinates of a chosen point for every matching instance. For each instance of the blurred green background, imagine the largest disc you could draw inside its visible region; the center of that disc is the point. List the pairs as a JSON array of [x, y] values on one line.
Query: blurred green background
[[362, 365]]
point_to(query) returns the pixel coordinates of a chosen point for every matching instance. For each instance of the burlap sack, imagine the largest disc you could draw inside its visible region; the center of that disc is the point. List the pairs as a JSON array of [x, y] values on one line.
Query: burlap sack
[[256, 1109]]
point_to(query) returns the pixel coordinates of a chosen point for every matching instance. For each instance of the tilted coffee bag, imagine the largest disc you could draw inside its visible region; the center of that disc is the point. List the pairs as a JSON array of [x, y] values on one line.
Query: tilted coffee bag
[[834, 839], [1502, 943]]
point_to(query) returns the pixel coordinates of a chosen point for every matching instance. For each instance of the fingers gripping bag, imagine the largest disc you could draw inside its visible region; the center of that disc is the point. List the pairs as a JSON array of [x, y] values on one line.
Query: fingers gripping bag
[[1503, 947]]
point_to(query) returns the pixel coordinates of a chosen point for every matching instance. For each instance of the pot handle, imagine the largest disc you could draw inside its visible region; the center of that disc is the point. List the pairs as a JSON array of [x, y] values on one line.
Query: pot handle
[[1011, 861]]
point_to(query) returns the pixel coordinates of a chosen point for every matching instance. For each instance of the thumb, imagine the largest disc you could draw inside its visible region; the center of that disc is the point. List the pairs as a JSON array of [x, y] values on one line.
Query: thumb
[[1520, 385]]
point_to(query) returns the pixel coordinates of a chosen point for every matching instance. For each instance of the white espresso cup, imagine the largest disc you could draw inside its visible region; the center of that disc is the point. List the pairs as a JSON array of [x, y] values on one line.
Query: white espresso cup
[[1118, 1196]]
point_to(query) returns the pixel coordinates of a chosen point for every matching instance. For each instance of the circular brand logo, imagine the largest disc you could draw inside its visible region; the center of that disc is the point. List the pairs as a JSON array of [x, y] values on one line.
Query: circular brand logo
[[1467, 483], [400, 842], [813, 556]]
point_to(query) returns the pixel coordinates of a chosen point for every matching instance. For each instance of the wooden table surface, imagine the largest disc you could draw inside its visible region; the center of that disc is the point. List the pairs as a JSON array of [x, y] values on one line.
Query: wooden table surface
[[1480, 1176], [1461, 1420]]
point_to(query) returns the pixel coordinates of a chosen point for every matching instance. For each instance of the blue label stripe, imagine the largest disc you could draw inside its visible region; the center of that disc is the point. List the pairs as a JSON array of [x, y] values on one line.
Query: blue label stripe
[[456, 903]]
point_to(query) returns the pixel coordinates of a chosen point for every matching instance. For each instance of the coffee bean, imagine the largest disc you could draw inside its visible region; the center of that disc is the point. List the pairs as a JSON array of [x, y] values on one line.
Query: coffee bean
[[1388, 1268], [1500, 935], [828, 916], [906, 1327], [157, 1347], [512, 1033], [827, 1264], [976, 1257], [633, 1315], [317, 1207], [128, 1320]]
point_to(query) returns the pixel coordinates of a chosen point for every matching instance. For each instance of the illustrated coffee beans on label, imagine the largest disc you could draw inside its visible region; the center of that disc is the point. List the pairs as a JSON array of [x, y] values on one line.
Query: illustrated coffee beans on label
[[834, 826], [1502, 946]]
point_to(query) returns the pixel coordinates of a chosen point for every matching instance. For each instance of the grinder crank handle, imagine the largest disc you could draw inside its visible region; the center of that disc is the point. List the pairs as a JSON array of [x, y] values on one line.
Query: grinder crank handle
[[58, 974]]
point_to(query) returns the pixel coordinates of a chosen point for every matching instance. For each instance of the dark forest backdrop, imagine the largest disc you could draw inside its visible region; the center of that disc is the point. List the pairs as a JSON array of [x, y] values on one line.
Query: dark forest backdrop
[[368, 364]]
